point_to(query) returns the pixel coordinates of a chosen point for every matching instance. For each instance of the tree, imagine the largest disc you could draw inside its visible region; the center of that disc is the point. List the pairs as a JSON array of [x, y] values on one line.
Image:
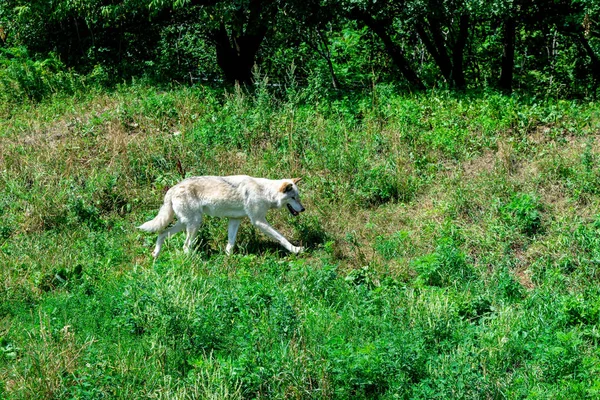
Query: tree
[[578, 24], [444, 27], [529, 44], [441, 25], [240, 29], [383, 29]]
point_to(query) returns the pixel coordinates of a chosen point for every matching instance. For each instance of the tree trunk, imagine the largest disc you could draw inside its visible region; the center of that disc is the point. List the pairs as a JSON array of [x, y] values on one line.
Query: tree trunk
[[326, 54], [432, 36], [458, 73], [236, 55], [392, 48], [508, 55], [591, 54], [436, 49], [578, 33]]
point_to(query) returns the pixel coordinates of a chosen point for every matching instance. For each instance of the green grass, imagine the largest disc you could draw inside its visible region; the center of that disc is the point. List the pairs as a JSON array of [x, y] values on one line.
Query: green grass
[[453, 241]]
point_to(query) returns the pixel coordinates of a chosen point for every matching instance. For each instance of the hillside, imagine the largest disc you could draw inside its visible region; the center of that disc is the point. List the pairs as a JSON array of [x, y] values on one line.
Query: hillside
[[453, 247]]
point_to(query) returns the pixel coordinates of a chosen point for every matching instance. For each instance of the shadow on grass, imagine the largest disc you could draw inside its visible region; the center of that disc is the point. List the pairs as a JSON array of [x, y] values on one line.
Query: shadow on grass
[[255, 242]]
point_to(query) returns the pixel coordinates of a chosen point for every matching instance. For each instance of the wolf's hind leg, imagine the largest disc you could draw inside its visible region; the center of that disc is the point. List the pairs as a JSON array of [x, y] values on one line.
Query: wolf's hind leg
[[192, 230], [178, 227]]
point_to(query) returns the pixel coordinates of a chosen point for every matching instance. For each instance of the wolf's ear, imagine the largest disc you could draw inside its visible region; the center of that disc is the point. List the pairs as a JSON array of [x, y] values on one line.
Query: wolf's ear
[[296, 180], [286, 187]]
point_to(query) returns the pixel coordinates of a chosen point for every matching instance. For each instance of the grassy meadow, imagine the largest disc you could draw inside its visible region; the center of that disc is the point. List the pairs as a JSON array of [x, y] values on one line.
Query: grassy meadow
[[453, 247]]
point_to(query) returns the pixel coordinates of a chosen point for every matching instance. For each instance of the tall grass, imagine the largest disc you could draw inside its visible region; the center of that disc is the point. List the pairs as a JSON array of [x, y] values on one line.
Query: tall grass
[[452, 239]]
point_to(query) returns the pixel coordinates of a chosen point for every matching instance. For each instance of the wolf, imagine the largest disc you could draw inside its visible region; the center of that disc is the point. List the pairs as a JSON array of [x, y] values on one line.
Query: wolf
[[233, 197]]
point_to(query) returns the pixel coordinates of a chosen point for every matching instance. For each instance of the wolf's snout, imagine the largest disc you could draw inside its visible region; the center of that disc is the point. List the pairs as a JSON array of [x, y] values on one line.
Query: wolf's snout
[[293, 211]]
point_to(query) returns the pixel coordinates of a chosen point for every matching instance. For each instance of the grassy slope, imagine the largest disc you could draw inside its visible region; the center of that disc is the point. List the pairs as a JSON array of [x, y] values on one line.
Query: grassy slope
[[454, 248]]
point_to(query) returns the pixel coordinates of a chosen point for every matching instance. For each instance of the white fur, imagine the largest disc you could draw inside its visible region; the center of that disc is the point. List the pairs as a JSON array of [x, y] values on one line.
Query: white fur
[[233, 197]]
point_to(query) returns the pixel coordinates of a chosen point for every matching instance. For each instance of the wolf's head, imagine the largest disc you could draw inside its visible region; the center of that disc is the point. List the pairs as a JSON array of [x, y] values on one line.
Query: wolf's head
[[290, 196]]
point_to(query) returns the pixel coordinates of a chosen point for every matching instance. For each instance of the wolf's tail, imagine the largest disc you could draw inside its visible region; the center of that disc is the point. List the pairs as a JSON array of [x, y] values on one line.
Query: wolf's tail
[[163, 219]]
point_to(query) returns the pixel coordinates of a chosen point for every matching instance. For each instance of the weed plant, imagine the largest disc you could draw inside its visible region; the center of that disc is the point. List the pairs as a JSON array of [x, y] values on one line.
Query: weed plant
[[453, 247]]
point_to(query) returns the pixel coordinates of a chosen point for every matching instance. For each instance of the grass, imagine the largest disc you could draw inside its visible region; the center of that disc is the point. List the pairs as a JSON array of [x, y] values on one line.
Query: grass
[[453, 247]]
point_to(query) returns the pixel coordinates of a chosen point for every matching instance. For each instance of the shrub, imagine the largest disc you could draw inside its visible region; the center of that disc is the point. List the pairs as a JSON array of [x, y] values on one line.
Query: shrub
[[524, 212], [382, 184], [24, 77], [446, 266]]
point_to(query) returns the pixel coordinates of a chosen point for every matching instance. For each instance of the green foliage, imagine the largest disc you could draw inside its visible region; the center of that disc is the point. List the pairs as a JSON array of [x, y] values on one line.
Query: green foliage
[[579, 310], [22, 77], [508, 287], [342, 44], [377, 185], [394, 246], [524, 213], [447, 265]]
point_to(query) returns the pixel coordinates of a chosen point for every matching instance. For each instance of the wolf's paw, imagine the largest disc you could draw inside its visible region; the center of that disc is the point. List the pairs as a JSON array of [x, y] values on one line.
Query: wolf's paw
[[297, 250]]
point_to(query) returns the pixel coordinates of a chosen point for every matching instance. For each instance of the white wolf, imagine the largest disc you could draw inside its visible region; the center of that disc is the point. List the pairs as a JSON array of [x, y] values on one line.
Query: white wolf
[[233, 197]]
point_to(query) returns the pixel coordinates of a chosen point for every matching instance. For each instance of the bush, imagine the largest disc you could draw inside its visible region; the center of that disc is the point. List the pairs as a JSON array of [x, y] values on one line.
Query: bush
[[22, 77], [382, 184], [524, 212], [446, 266]]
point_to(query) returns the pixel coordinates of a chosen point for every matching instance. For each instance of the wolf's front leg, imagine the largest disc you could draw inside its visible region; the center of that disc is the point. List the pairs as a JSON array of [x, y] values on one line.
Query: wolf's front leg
[[264, 226]]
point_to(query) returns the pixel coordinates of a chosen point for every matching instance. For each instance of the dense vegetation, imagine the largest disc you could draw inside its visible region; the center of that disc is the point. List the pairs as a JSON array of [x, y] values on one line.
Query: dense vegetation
[[450, 161], [547, 46]]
